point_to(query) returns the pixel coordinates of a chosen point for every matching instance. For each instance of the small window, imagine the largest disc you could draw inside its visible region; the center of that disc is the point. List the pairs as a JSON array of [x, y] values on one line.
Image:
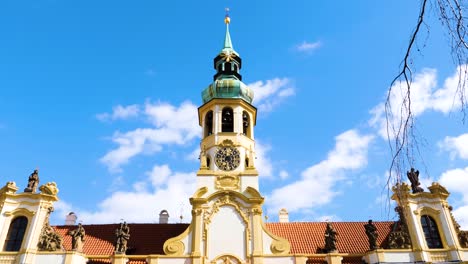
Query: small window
[[431, 232], [208, 161], [227, 120], [245, 124], [209, 123], [228, 67], [16, 234]]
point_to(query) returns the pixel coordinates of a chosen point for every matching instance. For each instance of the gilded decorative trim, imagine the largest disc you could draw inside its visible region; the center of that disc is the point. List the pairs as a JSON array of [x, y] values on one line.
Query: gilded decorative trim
[[225, 201], [227, 182], [200, 192], [20, 211], [175, 246], [279, 245], [227, 259]]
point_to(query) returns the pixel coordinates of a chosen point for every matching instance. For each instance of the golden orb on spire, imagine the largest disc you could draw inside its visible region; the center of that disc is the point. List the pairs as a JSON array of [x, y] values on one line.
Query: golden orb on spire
[[227, 19]]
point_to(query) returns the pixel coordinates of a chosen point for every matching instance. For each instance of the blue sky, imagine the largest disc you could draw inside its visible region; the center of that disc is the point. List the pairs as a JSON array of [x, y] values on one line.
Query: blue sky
[[101, 96]]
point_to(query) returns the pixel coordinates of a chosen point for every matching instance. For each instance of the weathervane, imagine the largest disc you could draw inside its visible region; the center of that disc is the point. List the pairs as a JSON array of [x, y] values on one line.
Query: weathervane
[[227, 19]]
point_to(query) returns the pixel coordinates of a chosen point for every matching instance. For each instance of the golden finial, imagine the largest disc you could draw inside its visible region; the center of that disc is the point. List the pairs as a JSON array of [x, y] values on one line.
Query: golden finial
[[227, 19]]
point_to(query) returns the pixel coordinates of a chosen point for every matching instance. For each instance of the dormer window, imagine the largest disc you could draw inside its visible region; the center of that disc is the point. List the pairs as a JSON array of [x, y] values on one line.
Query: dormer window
[[16, 234], [431, 232], [227, 121]]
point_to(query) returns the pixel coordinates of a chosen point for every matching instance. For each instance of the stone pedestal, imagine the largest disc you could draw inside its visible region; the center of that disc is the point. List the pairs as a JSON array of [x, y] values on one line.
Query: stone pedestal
[[74, 257], [119, 259], [334, 258]]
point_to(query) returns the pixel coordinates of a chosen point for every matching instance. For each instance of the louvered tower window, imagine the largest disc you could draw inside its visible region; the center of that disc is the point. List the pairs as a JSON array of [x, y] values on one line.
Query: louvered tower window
[[227, 120], [246, 124]]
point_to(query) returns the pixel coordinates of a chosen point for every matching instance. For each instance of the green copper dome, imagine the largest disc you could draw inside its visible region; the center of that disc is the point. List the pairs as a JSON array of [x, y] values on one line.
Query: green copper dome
[[227, 82], [227, 88]]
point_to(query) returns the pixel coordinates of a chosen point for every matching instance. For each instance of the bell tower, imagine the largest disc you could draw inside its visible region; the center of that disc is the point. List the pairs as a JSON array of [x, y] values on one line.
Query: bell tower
[[227, 224], [227, 116]]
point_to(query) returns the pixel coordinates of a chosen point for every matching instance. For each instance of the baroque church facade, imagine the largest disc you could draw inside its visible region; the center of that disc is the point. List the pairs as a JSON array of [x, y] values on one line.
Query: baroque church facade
[[227, 220]]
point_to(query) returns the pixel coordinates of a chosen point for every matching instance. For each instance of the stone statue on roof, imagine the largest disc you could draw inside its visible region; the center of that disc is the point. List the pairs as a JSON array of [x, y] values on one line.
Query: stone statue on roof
[[413, 176], [78, 238], [123, 235], [371, 232], [330, 239], [49, 240], [33, 182]]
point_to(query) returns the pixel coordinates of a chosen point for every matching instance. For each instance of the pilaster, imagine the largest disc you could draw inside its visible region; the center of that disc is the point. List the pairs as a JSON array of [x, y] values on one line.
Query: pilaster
[[333, 258]]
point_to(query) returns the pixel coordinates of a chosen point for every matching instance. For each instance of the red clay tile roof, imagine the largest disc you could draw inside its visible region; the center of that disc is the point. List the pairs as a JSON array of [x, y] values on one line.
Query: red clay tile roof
[[99, 261], [145, 239], [134, 261], [308, 237], [316, 260], [305, 237]]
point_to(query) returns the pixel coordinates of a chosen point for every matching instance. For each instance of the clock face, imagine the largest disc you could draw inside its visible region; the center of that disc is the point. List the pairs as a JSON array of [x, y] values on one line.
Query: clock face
[[227, 158]]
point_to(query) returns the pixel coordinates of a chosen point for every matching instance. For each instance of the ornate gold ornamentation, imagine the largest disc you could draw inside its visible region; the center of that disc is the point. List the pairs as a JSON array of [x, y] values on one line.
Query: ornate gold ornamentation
[[200, 192], [227, 182], [257, 211], [226, 200], [228, 55], [438, 189], [10, 187], [174, 248], [227, 259], [196, 212], [280, 247], [49, 188], [21, 211]]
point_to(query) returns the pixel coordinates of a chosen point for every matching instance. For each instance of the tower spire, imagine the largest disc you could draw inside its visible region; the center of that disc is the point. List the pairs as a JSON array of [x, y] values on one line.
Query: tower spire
[[228, 61], [227, 39]]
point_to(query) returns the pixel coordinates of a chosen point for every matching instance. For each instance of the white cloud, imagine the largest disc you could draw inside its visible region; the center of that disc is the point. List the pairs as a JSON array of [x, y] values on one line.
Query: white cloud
[[271, 93], [164, 189], [120, 112], [194, 155], [159, 174], [283, 174], [457, 146], [350, 153], [424, 97], [328, 218], [456, 180], [172, 125], [182, 119], [307, 47], [61, 209], [263, 163]]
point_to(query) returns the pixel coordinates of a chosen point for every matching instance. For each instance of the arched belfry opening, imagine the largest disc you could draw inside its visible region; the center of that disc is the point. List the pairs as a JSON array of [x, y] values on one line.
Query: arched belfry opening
[[227, 123], [246, 124], [209, 123]]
